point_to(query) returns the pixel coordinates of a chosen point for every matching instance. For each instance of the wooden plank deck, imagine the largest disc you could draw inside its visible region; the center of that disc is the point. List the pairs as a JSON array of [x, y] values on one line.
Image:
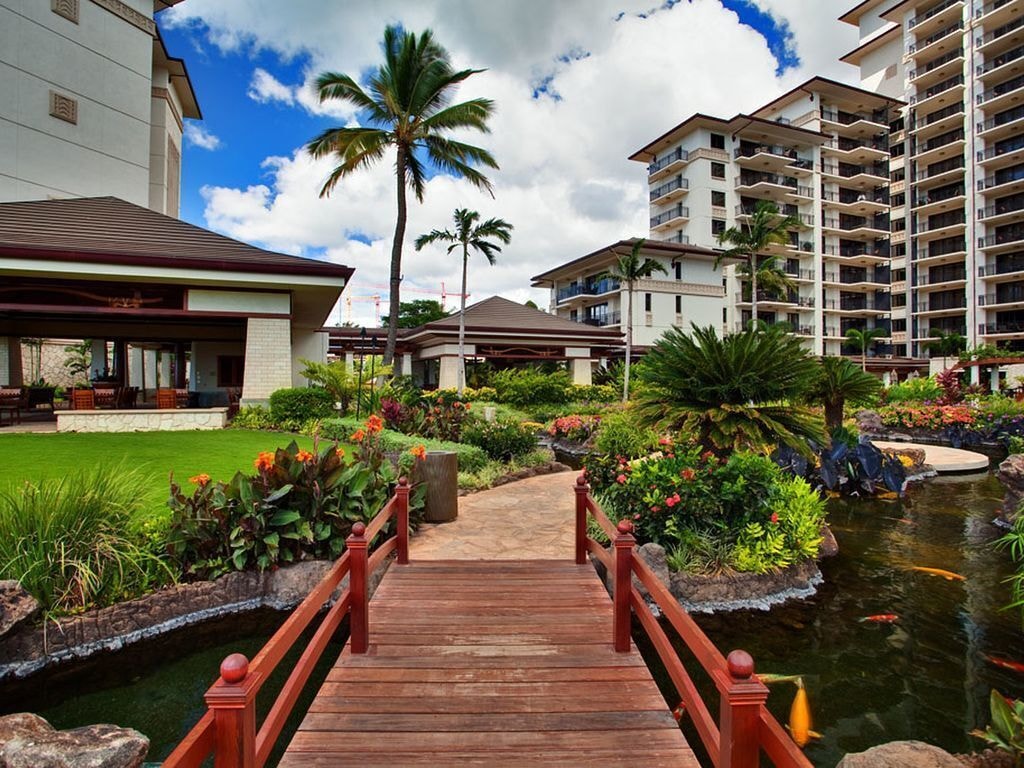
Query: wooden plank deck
[[489, 663]]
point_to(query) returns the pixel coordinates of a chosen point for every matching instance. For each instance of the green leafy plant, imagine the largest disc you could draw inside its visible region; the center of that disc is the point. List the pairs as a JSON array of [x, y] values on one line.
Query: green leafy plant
[[77, 542], [1013, 540], [300, 404], [862, 339], [621, 434], [252, 417], [574, 428], [471, 458], [917, 390], [525, 386], [335, 377], [840, 381], [500, 439], [1016, 444], [1006, 732]]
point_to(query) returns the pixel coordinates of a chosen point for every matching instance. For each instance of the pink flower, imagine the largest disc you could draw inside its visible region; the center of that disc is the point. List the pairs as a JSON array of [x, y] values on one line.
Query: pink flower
[[620, 479], [774, 518], [670, 501]]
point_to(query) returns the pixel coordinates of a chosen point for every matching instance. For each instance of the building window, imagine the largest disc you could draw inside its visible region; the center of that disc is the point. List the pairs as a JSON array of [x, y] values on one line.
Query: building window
[[717, 170], [717, 227], [647, 302], [899, 300], [717, 141], [679, 305], [717, 198], [230, 370], [679, 270], [899, 275], [899, 324]]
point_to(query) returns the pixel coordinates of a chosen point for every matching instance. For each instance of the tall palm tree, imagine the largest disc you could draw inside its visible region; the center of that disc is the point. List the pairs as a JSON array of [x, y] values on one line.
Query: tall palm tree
[[407, 106], [748, 242], [469, 234], [627, 269], [946, 344], [840, 382], [861, 339], [744, 391]]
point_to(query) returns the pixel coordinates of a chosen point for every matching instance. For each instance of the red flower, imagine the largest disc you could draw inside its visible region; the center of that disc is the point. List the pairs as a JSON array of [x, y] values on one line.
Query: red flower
[[774, 518], [688, 474], [620, 479]]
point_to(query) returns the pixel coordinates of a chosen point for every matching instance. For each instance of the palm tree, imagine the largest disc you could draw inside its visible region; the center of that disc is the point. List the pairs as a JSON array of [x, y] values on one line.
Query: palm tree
[[743, 391], [861, 339], [945, 343], [628, 268], [469, 234], [407, 107], [766, 227], [839, 381]]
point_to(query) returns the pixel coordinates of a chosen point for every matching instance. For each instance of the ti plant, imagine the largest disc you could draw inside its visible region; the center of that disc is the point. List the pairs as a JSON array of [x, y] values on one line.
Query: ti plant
[[1006, 732]]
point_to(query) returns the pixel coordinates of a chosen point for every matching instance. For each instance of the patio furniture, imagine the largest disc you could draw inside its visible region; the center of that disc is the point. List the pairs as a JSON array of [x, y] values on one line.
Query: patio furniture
[[166, 398], [40, 396], [104, 397], [83, 400], [127, 397], [234, 401], [12, 402], [183, 397]]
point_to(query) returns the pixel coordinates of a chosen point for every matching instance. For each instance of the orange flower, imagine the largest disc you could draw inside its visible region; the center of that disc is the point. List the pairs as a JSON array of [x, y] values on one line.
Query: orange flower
[[340, 452], [264, 461], [420, 452], [303, 455], [200, 480], [374, 424], [358, 436]]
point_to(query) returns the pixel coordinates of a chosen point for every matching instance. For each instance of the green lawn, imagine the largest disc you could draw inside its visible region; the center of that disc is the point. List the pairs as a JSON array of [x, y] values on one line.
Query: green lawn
[[219, 454]]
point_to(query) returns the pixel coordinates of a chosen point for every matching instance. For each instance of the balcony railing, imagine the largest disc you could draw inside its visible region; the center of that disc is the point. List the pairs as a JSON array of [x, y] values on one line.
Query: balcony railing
[[847, 171], [958, 302], [1001, 207], [1000, 60], [849, 197], [750, 179], [942, 114], [664, 189], [678, 154], [678, 237], [595, 288], [853, 251], [935, 11], [937, 169], [940, 194], [1001, 238], [942, 277], [1002, 148], [995, 34], [859, 303], [989, 329], [941, 141], [803, 274], [675, 212], [848, 224], [987, 8], [941, 248], [921, 44], [849, 118], [1003, 118], [935, 90], [765, 149], [880, 277], [843, 144], [1008, 297], [999, 90], [936, 63], [1004, 267], [601, 320], [934, 223]]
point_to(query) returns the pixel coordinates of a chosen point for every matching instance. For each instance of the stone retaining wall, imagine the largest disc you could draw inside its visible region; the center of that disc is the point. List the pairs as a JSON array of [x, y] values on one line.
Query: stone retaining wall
[[142, 420]]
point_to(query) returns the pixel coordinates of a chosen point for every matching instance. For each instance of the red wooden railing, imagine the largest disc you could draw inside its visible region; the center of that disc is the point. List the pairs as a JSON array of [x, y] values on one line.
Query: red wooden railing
[[745, 727], [228, 729]]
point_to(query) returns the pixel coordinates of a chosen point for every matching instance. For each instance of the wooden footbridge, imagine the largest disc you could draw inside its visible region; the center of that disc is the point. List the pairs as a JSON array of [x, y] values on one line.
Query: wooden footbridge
[[525, 662]]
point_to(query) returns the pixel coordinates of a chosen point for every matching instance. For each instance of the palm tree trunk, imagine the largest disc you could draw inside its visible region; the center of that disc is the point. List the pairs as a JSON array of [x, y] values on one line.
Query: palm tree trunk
[[753, 290], [396, 261], [629, 340], [462, 323]]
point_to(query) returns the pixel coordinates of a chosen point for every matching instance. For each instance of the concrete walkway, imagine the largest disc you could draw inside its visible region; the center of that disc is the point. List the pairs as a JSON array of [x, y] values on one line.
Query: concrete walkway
[[943, 459], [530, 519]]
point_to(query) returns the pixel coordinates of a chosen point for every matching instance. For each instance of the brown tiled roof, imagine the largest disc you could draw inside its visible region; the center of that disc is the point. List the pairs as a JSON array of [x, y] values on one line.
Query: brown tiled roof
[[107, 230], [497, 313]]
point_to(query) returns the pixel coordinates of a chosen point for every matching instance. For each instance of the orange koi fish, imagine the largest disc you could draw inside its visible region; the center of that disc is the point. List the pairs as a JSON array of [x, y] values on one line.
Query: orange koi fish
[[679, 711], [1015, 666], [800, 717], [881, 618], [947, 575]]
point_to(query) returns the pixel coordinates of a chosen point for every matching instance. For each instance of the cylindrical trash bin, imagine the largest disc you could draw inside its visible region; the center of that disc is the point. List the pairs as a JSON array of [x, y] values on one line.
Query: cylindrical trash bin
[[440, 472]]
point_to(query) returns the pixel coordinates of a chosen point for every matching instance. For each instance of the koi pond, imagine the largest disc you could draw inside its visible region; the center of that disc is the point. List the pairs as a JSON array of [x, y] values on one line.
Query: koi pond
[[924, 676]]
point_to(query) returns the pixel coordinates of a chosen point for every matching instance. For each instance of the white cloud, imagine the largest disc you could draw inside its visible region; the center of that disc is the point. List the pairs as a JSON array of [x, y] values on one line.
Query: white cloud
[[565, 182], [198, 136]]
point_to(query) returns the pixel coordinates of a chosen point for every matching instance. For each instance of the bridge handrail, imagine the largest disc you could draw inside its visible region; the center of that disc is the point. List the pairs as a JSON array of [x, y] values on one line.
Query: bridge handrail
[[228, 729], [745, 727]]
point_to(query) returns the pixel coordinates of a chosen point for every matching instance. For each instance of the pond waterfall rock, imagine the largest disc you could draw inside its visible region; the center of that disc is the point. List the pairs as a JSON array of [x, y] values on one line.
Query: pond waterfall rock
[[28, 741], [16, 606], [901, 754], [1011, 475]]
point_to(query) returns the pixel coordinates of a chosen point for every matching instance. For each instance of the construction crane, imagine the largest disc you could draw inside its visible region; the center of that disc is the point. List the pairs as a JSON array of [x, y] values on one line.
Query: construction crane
[[375, 298], [443, 292]]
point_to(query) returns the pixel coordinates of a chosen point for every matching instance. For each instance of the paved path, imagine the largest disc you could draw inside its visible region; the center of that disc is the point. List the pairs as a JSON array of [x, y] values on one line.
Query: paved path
[[527, 520], [942, 458]]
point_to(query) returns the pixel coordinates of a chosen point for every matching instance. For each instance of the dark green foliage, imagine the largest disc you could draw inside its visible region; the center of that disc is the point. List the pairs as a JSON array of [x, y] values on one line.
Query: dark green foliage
[[502, 440], [300, 404], [413, 314], [839, 382], [471, 458], [526, 386]]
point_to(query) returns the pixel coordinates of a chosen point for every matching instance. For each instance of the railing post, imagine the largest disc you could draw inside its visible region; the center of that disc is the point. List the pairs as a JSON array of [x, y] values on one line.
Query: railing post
[[402, 520], [582, 491], [622, 624], [359, 630], [232, 699], [740, 717]]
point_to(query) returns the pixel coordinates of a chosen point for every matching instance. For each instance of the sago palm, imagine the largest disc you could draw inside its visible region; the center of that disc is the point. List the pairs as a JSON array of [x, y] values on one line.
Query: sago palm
[[469, 233], [627, 269], [841, 381], [743, 391], [406, 107], [862, 339], [747, 243]]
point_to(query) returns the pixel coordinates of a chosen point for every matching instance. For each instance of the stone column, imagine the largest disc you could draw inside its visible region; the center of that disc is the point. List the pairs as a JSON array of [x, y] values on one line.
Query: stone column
[[975, 374], [268, 358], [582, 372], [350, 360], [98, 359], [406, 369], [164, 370], [136, 366], [993, 379], [448, 378], [15, 376]]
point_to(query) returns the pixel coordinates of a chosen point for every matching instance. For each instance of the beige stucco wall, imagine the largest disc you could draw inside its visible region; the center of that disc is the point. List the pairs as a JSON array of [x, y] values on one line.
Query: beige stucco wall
[[307, 345], [268, 358]]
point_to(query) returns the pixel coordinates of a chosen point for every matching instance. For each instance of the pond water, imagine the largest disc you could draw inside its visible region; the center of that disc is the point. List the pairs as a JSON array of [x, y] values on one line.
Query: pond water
[[923, 677]]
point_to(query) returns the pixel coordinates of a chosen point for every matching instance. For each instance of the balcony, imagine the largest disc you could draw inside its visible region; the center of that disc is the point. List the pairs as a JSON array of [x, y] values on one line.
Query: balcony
[[944, 93], [940, 279], [995, 12], [1002, 96], [931, 45], [764, 156], [940, 199], [1000, 36], [1002, 210], [667, 219], [942, 225], [1013, 295], [857, 151], [940, 147], [939, 304], [590, 288], [677, 237], [937, 15], [950, 250], [863, 278], [1001, 329], [945, 171], [602, 320], [857, 202], [767, 297], [1010, 268], [945, 65], [801, 167], [670, 191], [998, 67], [861, 303], [665, 165], [1011, 237], [873, 121], [864, 175], [1005, 123], [863, 253], [798, 274], [771, 185], [857, 226], [1003, 153]]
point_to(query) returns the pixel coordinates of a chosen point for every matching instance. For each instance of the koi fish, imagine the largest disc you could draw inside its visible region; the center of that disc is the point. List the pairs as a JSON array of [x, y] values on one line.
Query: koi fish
[[679, 711], [881, 618], [947, 575], [768, 678], [1015, 666], [800, 717]]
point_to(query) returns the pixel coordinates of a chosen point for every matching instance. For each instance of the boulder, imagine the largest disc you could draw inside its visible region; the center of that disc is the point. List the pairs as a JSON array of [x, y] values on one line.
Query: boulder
[[829, 547], [1011, 475], [28, 741], [869, 423], [654, 555], [901, 754], [287, 587], [16, 606]]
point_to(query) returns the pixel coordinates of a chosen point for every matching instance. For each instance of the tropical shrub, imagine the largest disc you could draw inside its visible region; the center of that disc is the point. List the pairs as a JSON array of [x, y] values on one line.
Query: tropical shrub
[[1015, 444], [950, 384], [575, 428], [335, 377], [444, 413], [78, 542], [927, 416], [500, 439], [743, 391], [471, 458], [791, 533], [480, 394], [296, 405], [847, 467], [1006, 733], [252, 417], [620, 434], [1013, 540], [839, 382], [523, 386], [599, 393], [914, 391]]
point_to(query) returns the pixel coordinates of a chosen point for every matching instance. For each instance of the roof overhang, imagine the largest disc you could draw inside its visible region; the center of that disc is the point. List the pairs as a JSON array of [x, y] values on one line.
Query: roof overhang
[[886, 36], [853, 16], [607, 255], [177, 73], [856, 98]]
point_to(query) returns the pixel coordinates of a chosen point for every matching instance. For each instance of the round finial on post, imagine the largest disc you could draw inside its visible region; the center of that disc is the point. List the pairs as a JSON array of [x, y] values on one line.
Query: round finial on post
[[358, 529], [234, 668], [741, 665], [624, 526], [403, 481], [581, 480]]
